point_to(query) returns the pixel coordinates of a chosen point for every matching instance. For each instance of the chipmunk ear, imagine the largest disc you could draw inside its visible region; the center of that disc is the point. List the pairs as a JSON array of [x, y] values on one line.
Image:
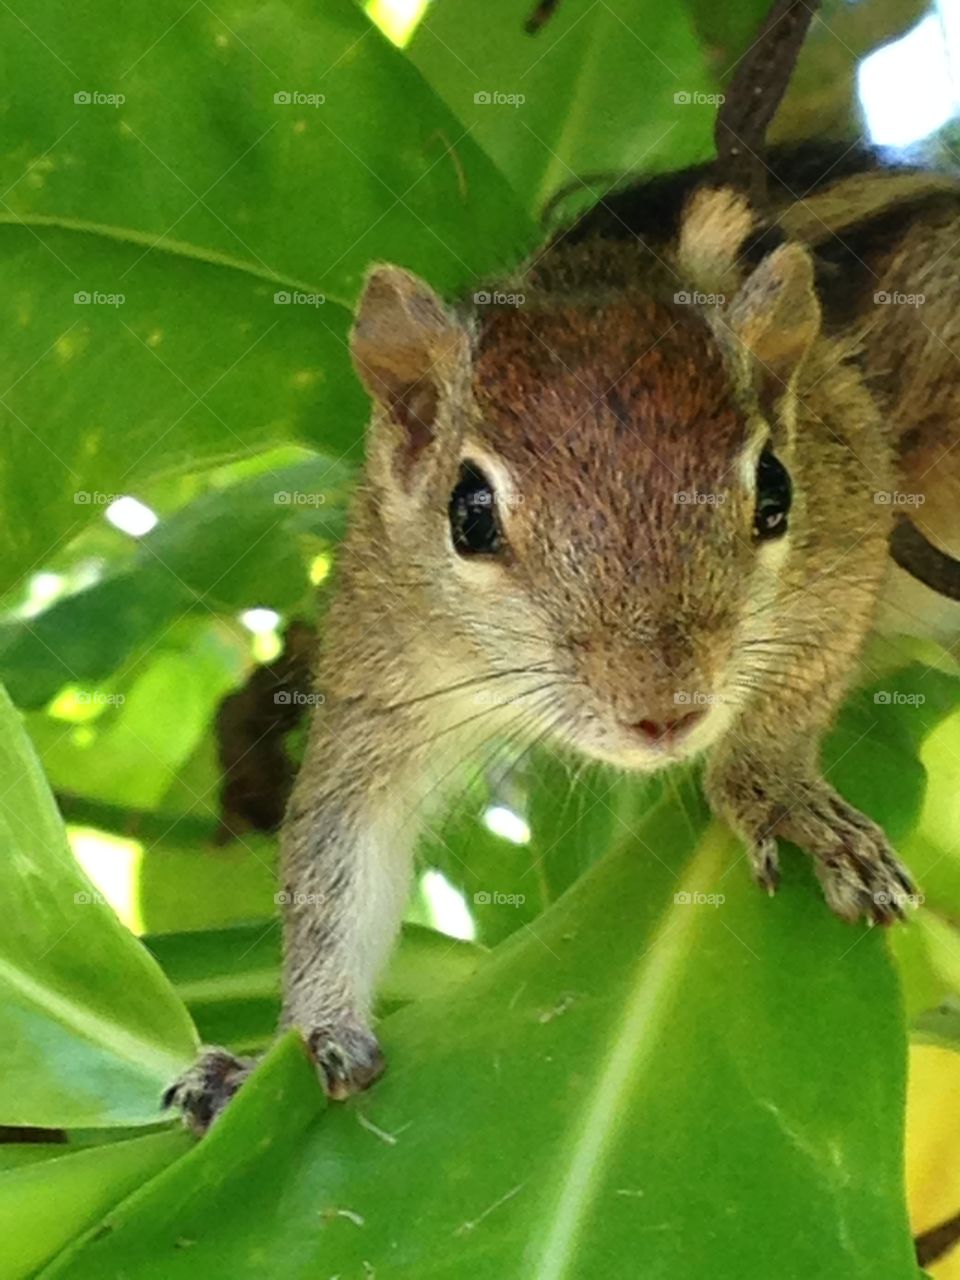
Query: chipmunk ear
[[402, 343], [776, 315]]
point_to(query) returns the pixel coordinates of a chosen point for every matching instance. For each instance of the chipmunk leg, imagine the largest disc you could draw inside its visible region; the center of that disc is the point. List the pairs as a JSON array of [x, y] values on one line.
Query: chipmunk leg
[[765, 798], [347, 862], [346, 854]]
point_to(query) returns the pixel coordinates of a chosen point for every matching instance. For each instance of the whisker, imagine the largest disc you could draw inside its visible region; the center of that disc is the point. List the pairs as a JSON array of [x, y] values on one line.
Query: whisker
[[524, 718], [458, 686], [460, 724]]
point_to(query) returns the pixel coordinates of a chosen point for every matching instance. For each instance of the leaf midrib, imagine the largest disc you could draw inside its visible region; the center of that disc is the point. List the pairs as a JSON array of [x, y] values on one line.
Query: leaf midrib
[[177, 248], [96, 1029], [634, 1041]]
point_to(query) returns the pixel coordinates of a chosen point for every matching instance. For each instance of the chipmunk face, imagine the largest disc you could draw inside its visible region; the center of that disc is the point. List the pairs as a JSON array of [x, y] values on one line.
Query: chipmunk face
[[614, 483], [607, 520]]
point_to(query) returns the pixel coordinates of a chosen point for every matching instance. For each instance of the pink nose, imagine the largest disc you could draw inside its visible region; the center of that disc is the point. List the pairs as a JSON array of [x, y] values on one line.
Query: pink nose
[[667, 731]]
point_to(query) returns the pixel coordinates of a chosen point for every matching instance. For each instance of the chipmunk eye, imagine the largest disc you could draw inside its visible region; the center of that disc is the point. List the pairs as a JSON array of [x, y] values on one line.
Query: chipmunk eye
[[774, 492], [474, 526]]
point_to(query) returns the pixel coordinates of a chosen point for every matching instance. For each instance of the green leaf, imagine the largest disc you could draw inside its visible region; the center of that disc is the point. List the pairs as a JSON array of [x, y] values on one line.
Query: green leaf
[[90, 1030], [201, 367], [229, 979], [200, 885], [129, 754], [562, 114], [44, 1206], [297, 191], [16, 1155], [279, 1110], [198, 219], [642, 1076], [229, 549]]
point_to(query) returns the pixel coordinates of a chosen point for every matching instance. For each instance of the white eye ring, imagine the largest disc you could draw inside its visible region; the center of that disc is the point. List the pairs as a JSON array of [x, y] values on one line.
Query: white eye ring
[[750, 456], [506, 493]]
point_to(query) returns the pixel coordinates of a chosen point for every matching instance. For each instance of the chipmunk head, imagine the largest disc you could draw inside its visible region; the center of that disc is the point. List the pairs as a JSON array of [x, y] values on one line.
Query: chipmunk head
[[594, 493]]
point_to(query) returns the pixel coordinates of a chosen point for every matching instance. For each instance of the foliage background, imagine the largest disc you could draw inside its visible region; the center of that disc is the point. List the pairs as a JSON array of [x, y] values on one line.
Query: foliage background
[[600, 1076]]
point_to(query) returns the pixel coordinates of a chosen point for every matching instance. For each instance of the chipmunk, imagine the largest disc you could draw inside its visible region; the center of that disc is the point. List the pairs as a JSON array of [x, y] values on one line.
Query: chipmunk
[[629, 506]]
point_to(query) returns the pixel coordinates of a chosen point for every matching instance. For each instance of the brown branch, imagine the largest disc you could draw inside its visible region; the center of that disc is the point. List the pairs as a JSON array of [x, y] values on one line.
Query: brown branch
[[251, 726], [936, 1243], [754, 94], [923, 561]]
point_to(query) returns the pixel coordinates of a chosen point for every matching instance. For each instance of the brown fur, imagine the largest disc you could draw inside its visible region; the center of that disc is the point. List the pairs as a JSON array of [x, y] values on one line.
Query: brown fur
[[591, 406], [596, 406]]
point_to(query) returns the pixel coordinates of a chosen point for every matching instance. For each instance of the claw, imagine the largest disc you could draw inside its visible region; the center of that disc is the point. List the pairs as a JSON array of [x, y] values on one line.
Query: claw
[[766, 864], [857, 869], [205, 1088], [348, 1058]]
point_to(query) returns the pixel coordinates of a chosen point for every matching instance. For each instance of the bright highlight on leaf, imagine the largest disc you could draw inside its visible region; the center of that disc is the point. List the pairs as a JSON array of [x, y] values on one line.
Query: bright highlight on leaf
[[78, 705], [448, 908], [397, 19], [129, 515], [504, 822], [43, 589], [260, 621], [320, 567], [113, 864]]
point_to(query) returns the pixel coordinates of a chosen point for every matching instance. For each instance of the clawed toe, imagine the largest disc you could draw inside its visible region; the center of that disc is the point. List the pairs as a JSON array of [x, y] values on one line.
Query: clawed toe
[[765, 864], [858, 870], [204, 1089], [348, 1058]]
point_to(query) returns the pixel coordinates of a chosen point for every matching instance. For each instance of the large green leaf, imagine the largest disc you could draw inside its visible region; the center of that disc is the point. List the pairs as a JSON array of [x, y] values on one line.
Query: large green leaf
[[647, 1075], [43, 1207], [307, 192], [279, 1111], [552, 108], [90, 1030], [198, 199], [198, 365]]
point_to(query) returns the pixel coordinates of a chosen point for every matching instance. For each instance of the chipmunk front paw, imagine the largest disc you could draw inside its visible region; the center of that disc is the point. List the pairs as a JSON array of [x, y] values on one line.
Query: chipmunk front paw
[[858, 870], [348, 1058], [204, 1089]]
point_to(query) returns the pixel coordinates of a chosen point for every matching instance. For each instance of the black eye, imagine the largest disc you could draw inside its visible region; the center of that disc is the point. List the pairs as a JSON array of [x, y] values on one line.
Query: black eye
[[474, 526], [773, 496]]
